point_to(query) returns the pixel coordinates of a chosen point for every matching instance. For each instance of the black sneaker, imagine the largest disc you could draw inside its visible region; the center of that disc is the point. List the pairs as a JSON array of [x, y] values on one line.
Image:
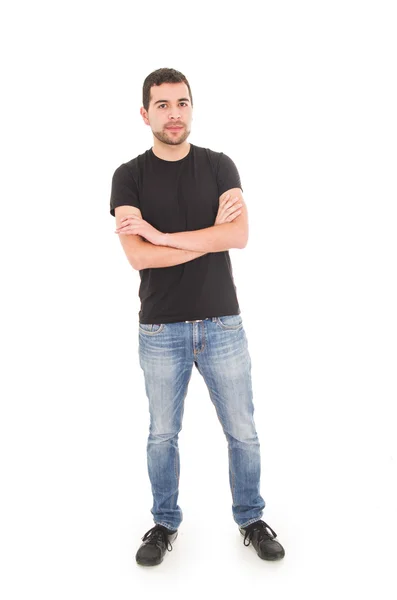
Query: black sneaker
[[155, 542], [263, 541]]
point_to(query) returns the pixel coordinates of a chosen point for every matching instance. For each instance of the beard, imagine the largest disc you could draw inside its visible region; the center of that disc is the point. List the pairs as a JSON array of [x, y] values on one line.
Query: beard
[[171, 138]]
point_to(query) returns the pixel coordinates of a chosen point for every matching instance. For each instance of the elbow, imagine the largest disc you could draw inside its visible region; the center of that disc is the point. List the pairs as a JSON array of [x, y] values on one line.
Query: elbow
[[135, 262], [137, 265], [241, 237], [136, 257], [243, 242]]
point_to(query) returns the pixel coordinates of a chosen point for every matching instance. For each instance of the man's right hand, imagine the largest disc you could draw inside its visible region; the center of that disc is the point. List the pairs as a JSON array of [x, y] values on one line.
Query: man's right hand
[[228, 210]]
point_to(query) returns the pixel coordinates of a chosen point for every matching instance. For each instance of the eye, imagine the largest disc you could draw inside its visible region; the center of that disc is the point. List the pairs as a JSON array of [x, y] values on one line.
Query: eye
[[185, 103]]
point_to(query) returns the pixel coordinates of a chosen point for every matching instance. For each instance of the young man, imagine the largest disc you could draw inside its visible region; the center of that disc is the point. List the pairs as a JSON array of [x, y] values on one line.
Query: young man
[[179, 209]]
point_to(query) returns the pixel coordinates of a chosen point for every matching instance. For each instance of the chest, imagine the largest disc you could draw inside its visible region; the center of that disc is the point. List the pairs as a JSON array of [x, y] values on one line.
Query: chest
[[181, 198]]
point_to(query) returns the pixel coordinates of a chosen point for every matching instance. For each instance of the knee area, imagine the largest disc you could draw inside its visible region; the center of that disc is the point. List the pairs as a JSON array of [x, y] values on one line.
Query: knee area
[[242, 438], [158, 437]]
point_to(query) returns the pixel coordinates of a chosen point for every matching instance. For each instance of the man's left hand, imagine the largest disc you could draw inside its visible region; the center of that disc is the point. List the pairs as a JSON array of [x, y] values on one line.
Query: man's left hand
[[136, 226]]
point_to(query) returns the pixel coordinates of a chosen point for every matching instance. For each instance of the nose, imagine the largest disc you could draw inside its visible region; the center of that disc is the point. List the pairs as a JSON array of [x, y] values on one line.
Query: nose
[[174, 113]]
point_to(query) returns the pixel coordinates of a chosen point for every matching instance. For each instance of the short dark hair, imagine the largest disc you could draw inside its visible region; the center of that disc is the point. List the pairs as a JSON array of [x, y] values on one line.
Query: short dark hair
[[162, 76]]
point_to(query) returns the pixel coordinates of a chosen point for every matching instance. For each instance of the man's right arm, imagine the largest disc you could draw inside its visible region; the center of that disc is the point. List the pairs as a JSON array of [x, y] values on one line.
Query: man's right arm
[[141, 254]]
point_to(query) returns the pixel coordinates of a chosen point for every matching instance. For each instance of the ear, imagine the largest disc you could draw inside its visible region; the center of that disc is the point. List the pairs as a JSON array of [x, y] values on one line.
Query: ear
[[144, 115]]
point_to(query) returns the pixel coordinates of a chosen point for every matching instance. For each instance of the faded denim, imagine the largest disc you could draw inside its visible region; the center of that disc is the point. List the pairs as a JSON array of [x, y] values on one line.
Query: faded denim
[[218, 347]]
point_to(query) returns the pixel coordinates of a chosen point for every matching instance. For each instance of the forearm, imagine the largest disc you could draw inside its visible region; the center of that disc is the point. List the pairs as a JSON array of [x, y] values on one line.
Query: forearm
[[217, 238], [152, 257]]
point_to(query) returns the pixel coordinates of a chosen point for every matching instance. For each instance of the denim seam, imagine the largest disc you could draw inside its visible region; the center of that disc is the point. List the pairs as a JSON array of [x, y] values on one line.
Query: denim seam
[[165, 525], [201, 350], [203, 329], [249, 523], [176, 466], [231, 471]]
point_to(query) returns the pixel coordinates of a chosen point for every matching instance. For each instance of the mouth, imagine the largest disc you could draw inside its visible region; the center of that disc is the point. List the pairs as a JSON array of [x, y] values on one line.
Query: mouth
[[174, 128]]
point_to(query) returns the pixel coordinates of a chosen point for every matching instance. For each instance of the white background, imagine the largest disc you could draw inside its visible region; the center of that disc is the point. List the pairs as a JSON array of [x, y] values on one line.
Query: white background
[[302, 96]]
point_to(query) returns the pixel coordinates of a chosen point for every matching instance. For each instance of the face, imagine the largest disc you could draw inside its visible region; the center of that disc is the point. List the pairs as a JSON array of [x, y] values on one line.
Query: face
[[170, 106]]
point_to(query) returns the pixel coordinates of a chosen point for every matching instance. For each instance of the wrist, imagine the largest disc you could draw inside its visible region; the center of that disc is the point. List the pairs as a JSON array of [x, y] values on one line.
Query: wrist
[[164, 240]]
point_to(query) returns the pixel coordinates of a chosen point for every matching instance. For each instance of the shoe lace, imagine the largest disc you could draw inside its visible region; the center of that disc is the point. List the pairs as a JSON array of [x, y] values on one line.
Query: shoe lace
[[261, 527], [158, 533]]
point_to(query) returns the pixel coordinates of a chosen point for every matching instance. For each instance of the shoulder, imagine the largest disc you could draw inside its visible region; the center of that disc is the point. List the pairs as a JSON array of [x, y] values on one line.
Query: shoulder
[[129, 171], [209, 155], [129, 166], [208, 151], [218, 158]]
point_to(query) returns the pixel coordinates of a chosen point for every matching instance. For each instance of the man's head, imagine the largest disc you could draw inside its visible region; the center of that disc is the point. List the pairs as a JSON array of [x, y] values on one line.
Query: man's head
[[167, 101]]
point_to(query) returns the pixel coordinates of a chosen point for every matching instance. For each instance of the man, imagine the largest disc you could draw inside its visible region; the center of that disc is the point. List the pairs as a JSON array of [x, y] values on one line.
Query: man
[[179, 209]]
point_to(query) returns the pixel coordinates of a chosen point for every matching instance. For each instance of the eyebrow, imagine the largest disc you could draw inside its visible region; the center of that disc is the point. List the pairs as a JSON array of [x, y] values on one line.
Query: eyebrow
[[180, 100]]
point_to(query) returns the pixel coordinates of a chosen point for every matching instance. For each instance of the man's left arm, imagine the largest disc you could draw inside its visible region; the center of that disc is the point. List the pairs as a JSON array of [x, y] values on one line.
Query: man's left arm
[[217, 238]]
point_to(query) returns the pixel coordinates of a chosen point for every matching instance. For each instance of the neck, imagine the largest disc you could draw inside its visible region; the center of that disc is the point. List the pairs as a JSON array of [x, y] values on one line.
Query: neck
[[170, 152]]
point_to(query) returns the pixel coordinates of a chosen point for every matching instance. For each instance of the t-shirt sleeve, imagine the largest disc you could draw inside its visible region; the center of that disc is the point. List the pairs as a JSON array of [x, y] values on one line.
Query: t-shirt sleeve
[[124, 189], [227, 177]]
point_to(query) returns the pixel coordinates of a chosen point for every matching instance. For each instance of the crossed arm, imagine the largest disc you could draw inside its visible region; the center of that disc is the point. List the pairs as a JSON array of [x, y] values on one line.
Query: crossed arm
[[177, 248], [217, 238], [212, 239]]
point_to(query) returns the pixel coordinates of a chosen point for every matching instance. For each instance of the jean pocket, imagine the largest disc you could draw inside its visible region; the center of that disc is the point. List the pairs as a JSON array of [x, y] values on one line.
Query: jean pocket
[[150, 328], [230, 322]]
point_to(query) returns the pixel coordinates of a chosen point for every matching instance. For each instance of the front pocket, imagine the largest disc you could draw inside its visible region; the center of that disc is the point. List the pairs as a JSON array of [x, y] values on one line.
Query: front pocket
[[150, 328], [230, 322]]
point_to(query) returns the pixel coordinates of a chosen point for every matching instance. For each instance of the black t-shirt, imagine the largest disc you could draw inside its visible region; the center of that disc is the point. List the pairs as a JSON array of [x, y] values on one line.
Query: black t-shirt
[[173, 196]]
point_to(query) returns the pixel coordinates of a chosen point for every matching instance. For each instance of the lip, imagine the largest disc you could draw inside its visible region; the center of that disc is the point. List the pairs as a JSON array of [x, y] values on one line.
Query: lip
[[174, 128]]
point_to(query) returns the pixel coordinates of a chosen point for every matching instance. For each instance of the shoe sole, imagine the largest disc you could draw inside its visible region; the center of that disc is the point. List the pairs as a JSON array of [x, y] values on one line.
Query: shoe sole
[[143, 564]]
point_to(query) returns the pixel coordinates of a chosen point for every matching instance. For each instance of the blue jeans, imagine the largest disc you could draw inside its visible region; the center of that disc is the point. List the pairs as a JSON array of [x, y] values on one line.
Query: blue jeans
[[218, 347]]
